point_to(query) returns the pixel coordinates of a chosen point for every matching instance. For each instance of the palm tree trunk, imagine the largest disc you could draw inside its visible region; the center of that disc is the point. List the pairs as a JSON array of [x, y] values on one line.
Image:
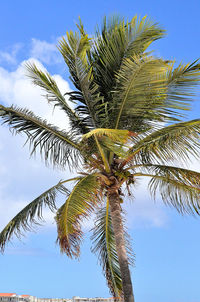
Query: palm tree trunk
[[117, 223]]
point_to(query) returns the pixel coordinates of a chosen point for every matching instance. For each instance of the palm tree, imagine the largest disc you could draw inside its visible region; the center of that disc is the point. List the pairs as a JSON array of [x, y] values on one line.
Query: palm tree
[[126, 117]]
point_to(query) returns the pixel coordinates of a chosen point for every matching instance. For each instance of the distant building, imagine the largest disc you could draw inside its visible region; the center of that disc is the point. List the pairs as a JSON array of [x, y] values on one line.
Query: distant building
[[97, 299], [7, 297], [12, 297]]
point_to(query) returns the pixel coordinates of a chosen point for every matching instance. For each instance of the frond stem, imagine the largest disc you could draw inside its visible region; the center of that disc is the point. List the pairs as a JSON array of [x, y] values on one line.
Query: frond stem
[[71, 179], [125, 98], [107, 167]]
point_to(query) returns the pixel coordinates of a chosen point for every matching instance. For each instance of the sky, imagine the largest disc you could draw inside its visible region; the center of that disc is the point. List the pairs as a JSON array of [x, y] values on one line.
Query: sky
[[166, 245]]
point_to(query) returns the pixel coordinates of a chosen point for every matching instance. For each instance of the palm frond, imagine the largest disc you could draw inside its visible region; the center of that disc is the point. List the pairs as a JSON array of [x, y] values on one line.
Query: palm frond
[[174, 142], [178, 187], [44, 80], [56, 146], [117, 48], [49, 85], [143, 33], [117, 135], [139, 94], [75, 52], [104, 246], [117, 40], [182, 82], [83, 199], [114, 140], [31, 214]]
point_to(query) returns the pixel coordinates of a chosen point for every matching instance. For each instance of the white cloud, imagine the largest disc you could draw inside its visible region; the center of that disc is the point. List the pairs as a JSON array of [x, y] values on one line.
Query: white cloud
[[23, 178], [11, 56], [17, 89], [45, 52], [7, 57]]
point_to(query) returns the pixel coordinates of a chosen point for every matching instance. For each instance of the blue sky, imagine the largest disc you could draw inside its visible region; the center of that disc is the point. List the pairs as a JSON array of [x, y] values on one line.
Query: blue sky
[[166, 245]]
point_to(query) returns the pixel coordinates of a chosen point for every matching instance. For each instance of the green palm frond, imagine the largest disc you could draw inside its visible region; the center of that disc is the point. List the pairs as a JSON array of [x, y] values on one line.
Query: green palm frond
[[178, 187], [182, 82], [174, 142], [143, 32], [49, 85], [139, 94], [75, 52], [56, 146], [31, 214], [115, 148], [104, 246], [117, 40], [82, 201], [178, 173], [44, 80]]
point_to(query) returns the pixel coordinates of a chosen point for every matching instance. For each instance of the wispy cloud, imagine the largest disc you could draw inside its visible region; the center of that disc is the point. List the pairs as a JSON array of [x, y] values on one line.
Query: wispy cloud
[[10, 56], [20, 250], [45, 52], [17, 89]]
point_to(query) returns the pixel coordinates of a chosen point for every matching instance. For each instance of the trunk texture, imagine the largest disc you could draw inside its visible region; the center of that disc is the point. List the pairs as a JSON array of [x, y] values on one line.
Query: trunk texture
[[117, 223]]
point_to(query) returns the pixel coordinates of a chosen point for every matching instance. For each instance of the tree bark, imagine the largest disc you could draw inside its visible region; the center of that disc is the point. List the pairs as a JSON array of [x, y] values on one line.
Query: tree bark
[[117, 223]]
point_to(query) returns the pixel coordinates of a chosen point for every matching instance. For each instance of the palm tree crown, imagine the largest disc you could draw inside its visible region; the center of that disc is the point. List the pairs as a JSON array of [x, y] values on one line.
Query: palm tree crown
[[126, 118]]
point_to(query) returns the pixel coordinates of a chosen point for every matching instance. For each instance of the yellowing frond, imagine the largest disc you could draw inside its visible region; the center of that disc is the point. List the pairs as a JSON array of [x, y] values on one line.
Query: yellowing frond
[[80, 204], [116, 135]]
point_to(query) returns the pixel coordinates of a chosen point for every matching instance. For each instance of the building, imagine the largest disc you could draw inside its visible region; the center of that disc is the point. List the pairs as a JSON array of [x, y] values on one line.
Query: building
[[97, 299], [12, 297], [4, 297]]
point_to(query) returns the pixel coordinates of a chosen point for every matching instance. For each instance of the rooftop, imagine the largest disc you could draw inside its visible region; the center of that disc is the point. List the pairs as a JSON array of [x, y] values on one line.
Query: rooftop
[[7, 294]]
